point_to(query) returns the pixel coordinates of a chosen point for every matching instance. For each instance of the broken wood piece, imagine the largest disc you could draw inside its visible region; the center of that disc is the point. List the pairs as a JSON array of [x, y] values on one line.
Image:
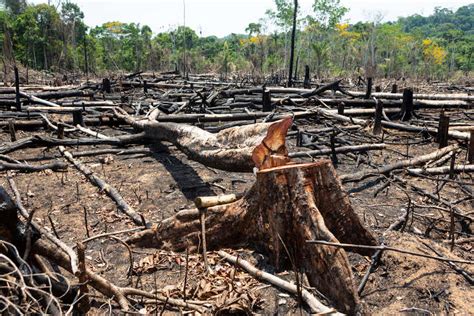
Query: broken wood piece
[[90, 132], [272, 152], [17, 89], [11, 130], [83, 305], [443, 129], [313, 303], [33, 98], [38, 140], [209, 201]]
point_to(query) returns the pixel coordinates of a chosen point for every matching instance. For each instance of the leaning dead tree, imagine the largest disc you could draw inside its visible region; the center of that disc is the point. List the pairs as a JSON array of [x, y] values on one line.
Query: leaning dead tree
[[288, 205]]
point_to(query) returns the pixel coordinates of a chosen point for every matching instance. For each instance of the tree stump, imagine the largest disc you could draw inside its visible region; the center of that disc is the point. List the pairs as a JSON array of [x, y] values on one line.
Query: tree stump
[[286, 206]]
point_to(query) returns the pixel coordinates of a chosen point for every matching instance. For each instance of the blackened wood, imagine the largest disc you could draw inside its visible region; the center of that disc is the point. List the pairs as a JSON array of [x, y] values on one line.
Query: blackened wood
[[17, 90], [407, 104], [451, 166], [145, 87], [106, 85], [443, 129], [307, 80], [471, 148], [330, 86], [340, 108], [378, 118], [11, 129], [339, 150], [295, 77], [333, 150], [9, 215], [86, 61], [293, 40], [267, 101], [368, 92], [21, 167], [394, 88], [60, 130], [77, 118]]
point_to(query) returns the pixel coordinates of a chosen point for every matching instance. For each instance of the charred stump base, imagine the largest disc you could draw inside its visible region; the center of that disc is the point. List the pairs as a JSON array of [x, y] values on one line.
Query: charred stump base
[[286, 206]]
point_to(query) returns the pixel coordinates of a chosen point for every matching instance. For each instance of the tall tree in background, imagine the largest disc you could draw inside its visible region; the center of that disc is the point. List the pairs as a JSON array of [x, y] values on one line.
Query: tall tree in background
[[73, 32], [293, 40], [15, 6], [47, 37]]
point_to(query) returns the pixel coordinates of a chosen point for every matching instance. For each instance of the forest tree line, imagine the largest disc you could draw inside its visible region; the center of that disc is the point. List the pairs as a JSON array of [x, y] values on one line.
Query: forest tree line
[[46, 37]]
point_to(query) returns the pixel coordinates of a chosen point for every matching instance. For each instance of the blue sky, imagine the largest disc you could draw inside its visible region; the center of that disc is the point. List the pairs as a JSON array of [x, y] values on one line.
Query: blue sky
[[222, 17]]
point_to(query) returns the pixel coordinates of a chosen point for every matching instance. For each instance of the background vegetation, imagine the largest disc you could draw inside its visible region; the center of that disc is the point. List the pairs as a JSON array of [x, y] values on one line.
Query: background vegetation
[[44, 37]]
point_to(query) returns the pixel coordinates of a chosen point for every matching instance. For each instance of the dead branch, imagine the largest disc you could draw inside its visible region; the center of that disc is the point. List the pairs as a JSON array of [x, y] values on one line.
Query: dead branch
[[338, 150], [22, 167], [314, 304], [61, 245], [104, 186]]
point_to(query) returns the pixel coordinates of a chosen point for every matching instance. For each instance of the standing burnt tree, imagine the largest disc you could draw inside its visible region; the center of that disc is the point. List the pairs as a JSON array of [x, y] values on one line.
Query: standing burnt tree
[[293, 40]]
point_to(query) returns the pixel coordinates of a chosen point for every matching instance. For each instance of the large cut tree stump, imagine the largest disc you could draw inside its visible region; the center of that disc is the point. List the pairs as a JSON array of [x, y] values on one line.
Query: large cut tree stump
[[288, 205]]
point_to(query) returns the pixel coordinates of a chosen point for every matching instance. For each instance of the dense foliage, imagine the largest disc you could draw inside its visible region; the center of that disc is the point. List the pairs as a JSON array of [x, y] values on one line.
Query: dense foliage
[[45, 37]]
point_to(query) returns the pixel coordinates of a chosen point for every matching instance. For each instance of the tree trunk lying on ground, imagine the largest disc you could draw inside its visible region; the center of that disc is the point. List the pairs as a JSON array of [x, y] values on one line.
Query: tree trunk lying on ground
[[230, 149], [288, 205]]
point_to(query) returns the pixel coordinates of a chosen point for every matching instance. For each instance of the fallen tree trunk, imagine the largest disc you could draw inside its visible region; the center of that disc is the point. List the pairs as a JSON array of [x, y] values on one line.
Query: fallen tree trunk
[[361, 175], [38, 140], [398, 126], [35, 123], [229, 149], [443, 170], [22, 167], [419, 96]]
